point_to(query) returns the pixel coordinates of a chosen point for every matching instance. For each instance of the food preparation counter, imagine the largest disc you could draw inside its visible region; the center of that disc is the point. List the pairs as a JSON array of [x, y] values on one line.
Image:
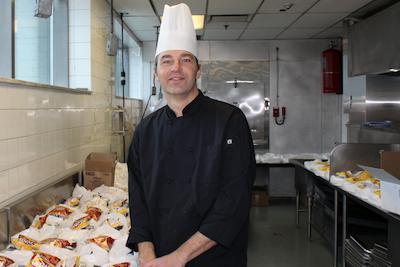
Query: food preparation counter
[[305, 181]]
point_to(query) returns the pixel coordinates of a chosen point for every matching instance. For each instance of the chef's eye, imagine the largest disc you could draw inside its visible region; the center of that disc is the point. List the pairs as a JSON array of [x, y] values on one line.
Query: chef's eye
[[186, 60], [166, 61]]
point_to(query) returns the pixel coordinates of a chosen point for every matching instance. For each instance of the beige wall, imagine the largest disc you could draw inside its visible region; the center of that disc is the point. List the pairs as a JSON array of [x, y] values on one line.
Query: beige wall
[[46, 132]]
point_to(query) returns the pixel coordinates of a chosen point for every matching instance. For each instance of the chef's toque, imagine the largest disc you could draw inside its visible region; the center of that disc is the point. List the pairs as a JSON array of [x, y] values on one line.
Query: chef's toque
[[177, 30]]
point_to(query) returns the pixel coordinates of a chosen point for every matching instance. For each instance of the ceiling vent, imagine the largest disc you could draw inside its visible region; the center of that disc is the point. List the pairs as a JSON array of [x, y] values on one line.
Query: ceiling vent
[[227, 18]]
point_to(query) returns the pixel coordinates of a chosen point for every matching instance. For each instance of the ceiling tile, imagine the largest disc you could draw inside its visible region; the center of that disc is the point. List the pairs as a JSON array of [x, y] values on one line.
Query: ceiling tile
[[230, 34], [231, 25], [338, 5], [330, 33], [318, 20], [273, 6], [272, 20], [197, 7], [226, 7], [299, 33], [260, 34], [142, 23], [134, 8], [146, 35]]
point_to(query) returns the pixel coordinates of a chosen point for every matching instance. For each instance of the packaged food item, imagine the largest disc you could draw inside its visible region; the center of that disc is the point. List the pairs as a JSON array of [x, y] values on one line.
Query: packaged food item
[[378, 192], [118, 203], [114, 223], [374, 180], [122, 210], [73, 201], [23, 242], [98, 200], [122, 264], [346, 174], [61, 212], [40, 259], [4, 261], [55, 242], [363, 175], [102, 241], [94, 213], [39, 221], [351, 180], [70, 262], [80, 223]]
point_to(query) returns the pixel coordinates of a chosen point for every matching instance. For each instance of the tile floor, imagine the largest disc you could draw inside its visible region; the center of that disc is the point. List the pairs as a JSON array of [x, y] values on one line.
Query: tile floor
[[275, 241]]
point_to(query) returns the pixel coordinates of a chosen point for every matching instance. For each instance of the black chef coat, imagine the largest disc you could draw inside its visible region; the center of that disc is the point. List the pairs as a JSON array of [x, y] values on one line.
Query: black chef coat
[[193, 173]]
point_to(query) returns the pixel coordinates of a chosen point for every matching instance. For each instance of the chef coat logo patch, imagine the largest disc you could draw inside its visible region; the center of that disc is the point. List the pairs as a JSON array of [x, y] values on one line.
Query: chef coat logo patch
[[229, 141]]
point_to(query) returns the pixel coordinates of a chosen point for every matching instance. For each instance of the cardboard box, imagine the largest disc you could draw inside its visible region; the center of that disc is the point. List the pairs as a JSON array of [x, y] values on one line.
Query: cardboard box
[[390, 189], [390, 162], [99, 169], [259, 197]]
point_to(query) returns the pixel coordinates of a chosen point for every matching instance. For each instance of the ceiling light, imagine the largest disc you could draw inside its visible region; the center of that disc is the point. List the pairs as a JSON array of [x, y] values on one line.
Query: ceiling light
[[198, 21]]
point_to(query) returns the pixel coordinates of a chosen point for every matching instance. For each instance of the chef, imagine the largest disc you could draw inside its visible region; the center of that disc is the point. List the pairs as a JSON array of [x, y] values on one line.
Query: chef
[[191, 165]]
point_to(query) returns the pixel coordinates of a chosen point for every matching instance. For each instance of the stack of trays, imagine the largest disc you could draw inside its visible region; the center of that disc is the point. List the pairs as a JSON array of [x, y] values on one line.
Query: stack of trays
[[323, 215], [356, 254], [359, 256], [379, 256]]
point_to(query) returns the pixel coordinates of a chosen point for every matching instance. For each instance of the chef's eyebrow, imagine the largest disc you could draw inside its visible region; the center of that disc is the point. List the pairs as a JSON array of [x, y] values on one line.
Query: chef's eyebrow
[[181, 55]]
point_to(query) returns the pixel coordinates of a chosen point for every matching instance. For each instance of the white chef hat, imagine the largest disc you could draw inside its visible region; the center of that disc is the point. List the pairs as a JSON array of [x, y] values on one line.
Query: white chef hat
[[177, 30]]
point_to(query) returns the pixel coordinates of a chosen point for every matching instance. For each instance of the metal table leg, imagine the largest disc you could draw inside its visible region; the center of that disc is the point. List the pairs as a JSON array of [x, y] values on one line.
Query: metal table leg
[[335, 237], [309, 217], [344, 230], [297, 207]]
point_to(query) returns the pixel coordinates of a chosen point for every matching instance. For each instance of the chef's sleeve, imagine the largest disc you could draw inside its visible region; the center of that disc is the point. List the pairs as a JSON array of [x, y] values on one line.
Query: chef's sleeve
[[140, 220], [231, 208]]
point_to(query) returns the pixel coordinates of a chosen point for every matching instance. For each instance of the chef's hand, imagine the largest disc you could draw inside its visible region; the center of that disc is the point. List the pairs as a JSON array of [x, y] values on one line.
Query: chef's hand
[[170, 260], [146, 253], [193, 247]]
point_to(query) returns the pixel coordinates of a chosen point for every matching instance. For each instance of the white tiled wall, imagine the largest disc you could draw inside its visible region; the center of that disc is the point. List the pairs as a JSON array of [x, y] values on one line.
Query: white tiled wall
[[46, 134]]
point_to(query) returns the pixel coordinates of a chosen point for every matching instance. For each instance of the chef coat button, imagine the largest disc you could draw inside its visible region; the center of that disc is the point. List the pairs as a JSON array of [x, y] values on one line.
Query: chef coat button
[[169, 151], [166, 211], [185, 211], [165, 242], [190, 149], [168, 181], [170, 122]]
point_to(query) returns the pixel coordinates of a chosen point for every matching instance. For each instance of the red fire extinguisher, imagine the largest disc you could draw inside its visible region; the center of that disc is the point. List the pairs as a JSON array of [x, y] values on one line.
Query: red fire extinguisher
[[332, 70]]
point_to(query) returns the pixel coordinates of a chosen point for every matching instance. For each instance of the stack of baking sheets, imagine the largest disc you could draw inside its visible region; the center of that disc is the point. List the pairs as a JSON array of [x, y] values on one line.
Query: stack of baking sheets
[[323, 215], [357, 255], [379, 256]]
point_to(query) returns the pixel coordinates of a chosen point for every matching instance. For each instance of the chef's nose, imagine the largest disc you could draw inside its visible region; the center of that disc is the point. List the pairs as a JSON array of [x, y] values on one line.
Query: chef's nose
[[176, 66]]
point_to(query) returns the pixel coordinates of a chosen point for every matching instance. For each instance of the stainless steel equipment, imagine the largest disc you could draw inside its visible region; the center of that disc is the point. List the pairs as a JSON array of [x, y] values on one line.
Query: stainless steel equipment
[[245, 85]]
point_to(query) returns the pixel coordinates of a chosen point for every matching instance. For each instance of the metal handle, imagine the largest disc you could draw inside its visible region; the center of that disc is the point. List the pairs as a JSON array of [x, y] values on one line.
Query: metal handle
[[266, 104]]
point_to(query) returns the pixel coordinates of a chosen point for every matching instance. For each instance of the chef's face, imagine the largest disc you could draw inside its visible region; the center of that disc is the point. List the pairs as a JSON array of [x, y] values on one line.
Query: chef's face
[[177, 71]]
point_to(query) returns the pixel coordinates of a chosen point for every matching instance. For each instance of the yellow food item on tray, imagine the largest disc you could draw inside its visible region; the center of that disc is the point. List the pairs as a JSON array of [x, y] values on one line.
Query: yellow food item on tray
[[363, 176], [373, 180]]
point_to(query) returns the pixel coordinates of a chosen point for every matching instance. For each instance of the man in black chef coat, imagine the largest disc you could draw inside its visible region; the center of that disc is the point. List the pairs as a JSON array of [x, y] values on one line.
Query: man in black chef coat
[[191, 165]]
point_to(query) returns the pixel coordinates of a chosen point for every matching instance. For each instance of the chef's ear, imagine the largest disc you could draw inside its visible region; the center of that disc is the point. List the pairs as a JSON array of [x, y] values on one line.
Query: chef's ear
[[198, 74], [155, 74]]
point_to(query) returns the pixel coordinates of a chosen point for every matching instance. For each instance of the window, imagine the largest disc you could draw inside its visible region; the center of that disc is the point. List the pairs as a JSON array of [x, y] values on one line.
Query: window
[[32, 44], [133, 65], [118, 69], [34, 49]]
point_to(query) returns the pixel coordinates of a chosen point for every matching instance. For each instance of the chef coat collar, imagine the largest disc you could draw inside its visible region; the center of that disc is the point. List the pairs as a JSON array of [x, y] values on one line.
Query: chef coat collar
[[190, 109]]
